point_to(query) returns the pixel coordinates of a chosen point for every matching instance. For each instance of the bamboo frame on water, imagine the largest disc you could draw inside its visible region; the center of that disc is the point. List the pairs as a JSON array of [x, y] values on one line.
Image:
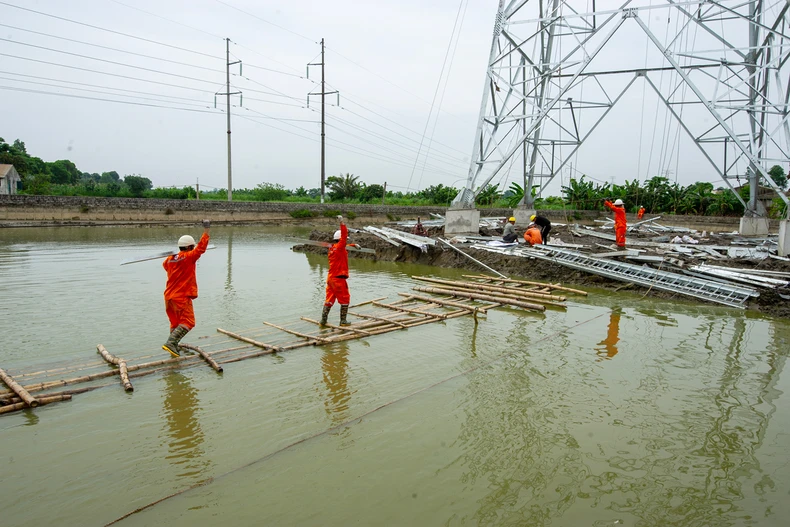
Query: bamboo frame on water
[[206, 356], [339, 328], [42, 401], [508, 294], [407, 310], [493, 288]]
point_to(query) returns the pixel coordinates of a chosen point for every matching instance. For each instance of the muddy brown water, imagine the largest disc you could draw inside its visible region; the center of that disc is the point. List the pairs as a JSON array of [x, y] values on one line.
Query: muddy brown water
[[619, 410]]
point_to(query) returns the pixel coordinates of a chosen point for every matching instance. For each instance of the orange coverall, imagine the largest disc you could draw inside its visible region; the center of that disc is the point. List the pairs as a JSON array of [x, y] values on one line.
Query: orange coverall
[[619, 222], [336, 286], [181, 285], [532, 236], [641, 213]]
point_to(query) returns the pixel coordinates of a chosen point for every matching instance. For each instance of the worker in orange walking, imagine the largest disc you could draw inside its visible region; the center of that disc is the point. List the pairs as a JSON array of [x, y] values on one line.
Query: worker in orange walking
[[619, 220], [182, 287], [640, 214], [532, 236], [336, 286]]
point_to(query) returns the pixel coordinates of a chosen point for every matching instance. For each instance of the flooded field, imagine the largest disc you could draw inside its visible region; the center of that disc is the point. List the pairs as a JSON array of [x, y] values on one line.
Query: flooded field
[[618, 410]]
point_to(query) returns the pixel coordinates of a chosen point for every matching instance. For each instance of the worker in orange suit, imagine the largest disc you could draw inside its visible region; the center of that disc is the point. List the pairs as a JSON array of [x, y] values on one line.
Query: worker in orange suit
[[619, 220], [182, 288], [640, 214], [336, 286], [532, 236]]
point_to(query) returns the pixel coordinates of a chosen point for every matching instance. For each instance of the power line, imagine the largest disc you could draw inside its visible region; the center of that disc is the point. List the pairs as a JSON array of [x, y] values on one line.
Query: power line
[[107, 61], [266, 21], [110, 31], [24, 90]]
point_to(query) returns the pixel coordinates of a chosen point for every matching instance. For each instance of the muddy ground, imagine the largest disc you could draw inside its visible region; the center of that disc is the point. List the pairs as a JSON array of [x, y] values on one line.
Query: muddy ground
[[769, 302]]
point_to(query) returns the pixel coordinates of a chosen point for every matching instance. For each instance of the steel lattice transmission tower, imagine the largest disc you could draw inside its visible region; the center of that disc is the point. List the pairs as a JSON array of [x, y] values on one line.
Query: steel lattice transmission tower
[[558, 67]]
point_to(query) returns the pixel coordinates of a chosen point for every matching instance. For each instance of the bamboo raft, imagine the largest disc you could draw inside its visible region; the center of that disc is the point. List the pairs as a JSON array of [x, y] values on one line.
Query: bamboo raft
[[444, 300]]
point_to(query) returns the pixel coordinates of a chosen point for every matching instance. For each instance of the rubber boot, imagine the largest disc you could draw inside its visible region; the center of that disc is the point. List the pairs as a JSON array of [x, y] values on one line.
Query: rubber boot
[[325, 314], [171, 346], [343, 314]]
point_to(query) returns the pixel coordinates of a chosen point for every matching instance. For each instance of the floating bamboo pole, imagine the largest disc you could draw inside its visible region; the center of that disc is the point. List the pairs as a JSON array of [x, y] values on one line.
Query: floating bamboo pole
[[123, 372], [339, 328], [206, 356], [368, 302], [74, 391], [380, 319], [493, 288], [447, 303], [553, 286], [21, 392], [479, 296], [41, 401], [508, 294], [273, 349], [406, 310], [303, 335]]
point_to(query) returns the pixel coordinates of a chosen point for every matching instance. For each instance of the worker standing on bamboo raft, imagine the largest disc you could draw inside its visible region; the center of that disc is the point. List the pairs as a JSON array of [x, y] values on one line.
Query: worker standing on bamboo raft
[[532, 236], [543, 224], [509, 233], [619, 220], [182, 288], [336, 286]]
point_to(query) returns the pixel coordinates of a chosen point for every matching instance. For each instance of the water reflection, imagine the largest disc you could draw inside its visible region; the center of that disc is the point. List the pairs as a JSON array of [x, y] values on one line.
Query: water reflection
[[609, 344], [334, 369], [229, 279], [184, 435]]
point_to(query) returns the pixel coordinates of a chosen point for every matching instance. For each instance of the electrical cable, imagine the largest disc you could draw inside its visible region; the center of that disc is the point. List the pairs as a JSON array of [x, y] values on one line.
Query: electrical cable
[[111, 31]]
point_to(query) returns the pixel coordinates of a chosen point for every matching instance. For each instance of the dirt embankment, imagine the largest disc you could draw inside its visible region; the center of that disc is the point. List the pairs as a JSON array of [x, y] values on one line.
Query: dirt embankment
[[769, 301]]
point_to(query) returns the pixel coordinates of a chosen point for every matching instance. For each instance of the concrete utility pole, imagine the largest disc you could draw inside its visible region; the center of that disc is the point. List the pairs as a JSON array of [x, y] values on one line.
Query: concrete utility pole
[[228, 93], [323, 95]]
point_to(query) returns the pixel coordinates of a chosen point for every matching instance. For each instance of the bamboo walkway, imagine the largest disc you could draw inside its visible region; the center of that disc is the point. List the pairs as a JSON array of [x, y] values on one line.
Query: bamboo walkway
[[440, 300]]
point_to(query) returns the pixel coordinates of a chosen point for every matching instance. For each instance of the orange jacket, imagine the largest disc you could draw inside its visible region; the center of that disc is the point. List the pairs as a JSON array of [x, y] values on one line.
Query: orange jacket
[[619, 214], [338, 256], [181, 281], [532, 236], [640, 213]]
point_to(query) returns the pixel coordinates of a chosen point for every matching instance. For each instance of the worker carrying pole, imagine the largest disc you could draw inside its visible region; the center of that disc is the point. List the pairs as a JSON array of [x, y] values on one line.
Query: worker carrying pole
[[619, 220], [336, 286], [182, 287]]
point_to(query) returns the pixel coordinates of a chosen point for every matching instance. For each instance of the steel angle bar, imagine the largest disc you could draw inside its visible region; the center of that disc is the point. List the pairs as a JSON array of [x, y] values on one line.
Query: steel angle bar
[[752, 280]]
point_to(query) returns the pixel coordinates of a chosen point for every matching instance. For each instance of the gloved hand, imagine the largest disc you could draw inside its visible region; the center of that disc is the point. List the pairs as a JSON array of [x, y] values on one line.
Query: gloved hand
[[206, 224]]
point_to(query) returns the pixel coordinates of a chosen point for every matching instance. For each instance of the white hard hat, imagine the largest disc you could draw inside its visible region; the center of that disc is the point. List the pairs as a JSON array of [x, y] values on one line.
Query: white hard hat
[[337, 235], [618, 202], [186, 241]]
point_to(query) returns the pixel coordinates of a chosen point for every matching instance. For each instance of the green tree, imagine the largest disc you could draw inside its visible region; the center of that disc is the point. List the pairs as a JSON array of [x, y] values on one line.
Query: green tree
[[109, 177], [372, 193], [137, 185], [344, 187], [438, 194], [777, 173], [64, 172], [270, 192], [39, 184]]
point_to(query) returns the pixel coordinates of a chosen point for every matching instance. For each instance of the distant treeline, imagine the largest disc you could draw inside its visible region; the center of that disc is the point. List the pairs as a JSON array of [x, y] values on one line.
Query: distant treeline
[[658, 194]]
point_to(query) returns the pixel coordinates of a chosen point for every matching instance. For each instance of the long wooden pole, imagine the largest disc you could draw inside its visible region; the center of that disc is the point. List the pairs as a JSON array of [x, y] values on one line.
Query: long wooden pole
[[478, 296], [449, 303], [380, 319], [206, 356], [414, 311], [21, 392], [508, 294], [273, 349], [123, 371], [303, 335], [339, 328], [41, 401], [487, 287], [542, 284]]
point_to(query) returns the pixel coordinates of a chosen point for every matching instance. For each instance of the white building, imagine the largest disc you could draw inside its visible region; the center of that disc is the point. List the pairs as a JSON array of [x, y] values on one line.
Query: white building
[[9, 179]]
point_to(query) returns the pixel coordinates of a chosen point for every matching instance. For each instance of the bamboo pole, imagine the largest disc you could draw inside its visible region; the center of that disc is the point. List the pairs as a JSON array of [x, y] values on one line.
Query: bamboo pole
[[340, 328], [206, 356], [303, 335], [487, 287], [21, 392], [42, 401], [447, 303], [273, 349], [406, 310], [380, 319], [368, 302], [514, 296], [123, 371], [553, 286], [478, 296], [75, 391]]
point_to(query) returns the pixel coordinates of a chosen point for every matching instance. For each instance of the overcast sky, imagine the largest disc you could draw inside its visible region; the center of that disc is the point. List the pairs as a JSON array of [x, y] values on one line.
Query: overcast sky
[[410, 75]]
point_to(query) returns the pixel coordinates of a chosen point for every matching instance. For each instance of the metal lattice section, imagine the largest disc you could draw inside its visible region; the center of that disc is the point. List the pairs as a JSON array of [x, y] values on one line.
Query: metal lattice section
[[720, 69], [729, 295]]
